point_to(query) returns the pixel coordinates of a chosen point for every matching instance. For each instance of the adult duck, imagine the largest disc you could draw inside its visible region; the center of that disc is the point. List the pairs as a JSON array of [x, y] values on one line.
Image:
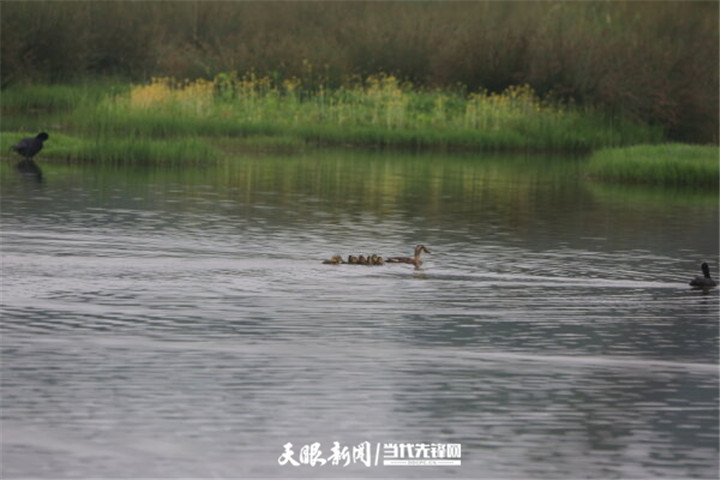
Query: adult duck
[[414, 260], [706, 280]]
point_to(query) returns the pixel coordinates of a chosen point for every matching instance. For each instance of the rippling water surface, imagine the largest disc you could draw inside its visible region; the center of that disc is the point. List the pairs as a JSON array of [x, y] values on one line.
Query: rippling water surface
[[179, 322]]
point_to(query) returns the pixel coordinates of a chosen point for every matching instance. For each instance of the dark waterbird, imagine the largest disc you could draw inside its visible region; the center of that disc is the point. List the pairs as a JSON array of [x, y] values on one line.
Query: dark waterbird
[[706, 280], [30, 146]]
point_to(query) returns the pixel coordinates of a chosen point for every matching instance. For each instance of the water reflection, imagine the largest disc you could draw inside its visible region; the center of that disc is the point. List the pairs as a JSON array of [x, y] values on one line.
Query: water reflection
[[168, 322], [29, 169]]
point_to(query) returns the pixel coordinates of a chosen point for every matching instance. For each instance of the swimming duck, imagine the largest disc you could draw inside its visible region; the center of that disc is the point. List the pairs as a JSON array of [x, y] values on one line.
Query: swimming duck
[[28, 147], [376, 260], [706, 280], [334, 260], [361, 260], [352, 260], [414, 260]]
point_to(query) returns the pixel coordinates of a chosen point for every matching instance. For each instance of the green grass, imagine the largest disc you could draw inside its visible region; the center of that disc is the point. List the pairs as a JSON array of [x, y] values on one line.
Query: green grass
[[169, 120], [55, 97], [380, 112], [121, 150], [666, 164]]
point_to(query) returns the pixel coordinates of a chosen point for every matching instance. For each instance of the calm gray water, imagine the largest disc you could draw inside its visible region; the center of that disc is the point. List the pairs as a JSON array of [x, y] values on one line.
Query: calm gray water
[[178, 322]]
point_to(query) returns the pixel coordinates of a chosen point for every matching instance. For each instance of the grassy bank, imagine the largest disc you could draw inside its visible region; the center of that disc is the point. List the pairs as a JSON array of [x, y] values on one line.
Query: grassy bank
[[666, 164], [120, 150], [379, 110], [166, 118], [655, 61]]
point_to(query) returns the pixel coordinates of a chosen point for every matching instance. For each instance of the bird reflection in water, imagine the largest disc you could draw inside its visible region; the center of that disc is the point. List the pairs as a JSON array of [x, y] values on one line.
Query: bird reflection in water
[[29, 169]]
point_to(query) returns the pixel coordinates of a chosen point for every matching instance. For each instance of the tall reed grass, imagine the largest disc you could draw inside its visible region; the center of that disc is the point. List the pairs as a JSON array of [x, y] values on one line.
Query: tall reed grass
[[196, 120], [45, 98], [380, 110]]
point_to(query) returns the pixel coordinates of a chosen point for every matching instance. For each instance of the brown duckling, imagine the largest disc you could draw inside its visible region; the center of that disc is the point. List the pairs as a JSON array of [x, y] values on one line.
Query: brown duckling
[[362, 260], [376, 260], [352, 260], [414, 260], [334, 260]]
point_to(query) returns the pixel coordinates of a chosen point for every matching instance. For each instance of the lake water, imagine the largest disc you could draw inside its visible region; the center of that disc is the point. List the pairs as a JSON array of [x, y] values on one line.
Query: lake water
[[178, 322]]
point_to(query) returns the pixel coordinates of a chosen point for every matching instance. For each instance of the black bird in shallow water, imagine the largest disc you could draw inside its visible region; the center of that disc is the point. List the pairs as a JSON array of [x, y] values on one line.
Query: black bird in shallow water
[[706, 280], [29, 147]]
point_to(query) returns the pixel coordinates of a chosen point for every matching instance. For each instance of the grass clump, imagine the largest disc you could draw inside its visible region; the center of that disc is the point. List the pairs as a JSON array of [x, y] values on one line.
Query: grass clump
[[146, 150], [377, 111], [666, 164]]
